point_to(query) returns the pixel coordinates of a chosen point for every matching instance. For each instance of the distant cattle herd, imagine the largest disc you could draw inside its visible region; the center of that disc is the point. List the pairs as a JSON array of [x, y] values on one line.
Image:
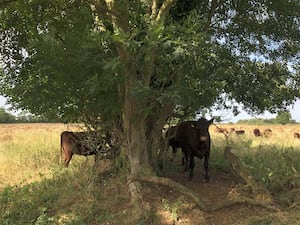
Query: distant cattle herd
[[257, 133]]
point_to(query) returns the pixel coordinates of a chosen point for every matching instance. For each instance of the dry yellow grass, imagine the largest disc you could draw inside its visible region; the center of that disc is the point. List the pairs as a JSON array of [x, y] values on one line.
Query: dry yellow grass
[[28, 151], [282, 135]]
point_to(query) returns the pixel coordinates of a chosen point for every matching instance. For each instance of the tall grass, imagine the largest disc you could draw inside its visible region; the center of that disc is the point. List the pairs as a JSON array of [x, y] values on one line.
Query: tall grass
[[34, 189], [28, 154], [270, 160]]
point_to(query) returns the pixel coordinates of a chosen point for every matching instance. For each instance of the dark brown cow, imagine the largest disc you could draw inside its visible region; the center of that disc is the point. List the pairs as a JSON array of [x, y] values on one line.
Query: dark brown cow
[[239, 132], [296, 135], [268, 132], [257, 132], [79, 143], [194, 139]]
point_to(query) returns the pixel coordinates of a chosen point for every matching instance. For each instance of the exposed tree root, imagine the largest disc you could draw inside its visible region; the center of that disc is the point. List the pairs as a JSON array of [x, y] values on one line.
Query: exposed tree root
[[173, 184], [204, 206], [243, 200], [259, 192]]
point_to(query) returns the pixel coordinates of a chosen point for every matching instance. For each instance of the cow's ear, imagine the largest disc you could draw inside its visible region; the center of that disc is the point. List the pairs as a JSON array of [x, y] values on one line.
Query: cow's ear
[[211, 121]]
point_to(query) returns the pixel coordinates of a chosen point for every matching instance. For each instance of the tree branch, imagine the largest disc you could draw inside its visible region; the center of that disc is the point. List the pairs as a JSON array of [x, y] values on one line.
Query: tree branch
[[153, 10], [164, 8], [213, 6]]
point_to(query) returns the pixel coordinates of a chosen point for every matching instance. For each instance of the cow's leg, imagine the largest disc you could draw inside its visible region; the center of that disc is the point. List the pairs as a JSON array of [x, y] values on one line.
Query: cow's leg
[[191, 165], [185, 158], [206, 157], [174, 151], [68, 157]]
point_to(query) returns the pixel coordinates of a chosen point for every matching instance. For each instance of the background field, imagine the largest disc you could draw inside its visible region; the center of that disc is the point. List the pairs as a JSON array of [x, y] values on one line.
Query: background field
[[35, 189]]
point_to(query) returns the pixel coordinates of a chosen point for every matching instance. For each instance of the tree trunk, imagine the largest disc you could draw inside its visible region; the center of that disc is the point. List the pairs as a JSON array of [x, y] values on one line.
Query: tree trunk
[[135, 140]]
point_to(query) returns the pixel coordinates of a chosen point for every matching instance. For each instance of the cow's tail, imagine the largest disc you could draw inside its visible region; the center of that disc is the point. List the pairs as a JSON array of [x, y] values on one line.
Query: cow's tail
[[61, 150]]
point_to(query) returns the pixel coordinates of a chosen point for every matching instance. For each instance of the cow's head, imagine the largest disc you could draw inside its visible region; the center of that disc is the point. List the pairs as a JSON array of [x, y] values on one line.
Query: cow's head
[[202, 125]]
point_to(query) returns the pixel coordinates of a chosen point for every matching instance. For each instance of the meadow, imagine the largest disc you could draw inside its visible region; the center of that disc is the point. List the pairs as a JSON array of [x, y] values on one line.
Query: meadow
[[36, 189]]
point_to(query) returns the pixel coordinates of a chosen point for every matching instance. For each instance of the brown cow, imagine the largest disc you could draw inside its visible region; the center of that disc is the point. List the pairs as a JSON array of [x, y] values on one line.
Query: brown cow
[[267, 132], [194, 139], [239, 132], [296, 135], [221, 130], [80, 143], [231, 130], [257, 132]]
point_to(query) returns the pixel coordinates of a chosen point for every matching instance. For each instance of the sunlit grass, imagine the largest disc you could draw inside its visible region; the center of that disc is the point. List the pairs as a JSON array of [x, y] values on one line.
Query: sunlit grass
[[28, 151], [270, 160]]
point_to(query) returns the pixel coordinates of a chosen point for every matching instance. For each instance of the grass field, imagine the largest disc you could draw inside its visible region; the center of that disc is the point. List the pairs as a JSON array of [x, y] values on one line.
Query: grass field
[[35, 189]]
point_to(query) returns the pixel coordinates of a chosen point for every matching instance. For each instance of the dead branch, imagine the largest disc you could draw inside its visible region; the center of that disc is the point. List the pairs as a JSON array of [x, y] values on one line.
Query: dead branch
[[260, 192]]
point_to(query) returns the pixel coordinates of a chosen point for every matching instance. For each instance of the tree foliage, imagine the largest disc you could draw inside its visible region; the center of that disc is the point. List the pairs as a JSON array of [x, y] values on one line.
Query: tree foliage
[[63, 58], [283, 117]]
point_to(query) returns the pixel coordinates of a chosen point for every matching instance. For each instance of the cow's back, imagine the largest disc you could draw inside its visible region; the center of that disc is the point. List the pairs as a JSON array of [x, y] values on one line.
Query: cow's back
[[186, 135]]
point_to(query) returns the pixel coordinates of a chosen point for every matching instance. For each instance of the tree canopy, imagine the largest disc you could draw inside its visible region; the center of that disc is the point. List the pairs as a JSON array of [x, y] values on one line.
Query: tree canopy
[[67, 58]]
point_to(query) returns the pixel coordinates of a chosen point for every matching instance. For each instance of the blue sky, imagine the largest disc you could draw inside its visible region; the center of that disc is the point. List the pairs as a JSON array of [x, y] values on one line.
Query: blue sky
[[226, 115]]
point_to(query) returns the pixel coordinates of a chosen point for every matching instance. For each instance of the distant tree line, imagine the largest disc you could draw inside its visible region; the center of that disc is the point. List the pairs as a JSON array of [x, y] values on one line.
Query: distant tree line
[[6, 117], [23, 117], [281, 118]]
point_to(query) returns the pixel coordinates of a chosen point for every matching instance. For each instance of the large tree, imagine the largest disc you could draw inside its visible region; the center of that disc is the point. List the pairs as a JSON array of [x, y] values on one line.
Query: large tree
[[131, 63]]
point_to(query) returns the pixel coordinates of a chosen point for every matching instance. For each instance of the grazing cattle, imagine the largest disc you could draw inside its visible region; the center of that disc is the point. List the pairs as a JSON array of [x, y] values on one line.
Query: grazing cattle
[[296, 135], [194, 139], [221, 130], [231, 130], [267, 132], [257, 132], [239, 132], [80, 143]]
